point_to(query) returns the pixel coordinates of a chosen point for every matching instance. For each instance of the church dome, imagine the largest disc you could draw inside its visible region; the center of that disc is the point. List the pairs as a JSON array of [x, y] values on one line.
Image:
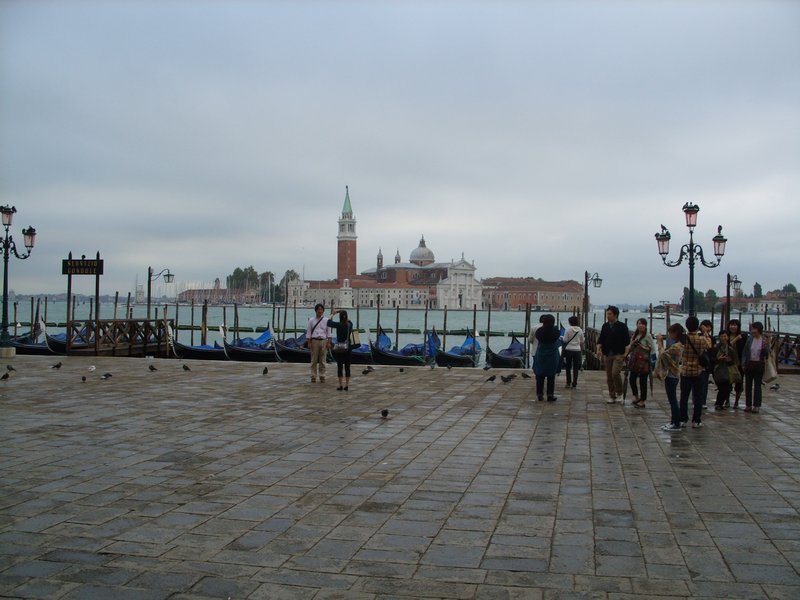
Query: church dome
[[422, 255]]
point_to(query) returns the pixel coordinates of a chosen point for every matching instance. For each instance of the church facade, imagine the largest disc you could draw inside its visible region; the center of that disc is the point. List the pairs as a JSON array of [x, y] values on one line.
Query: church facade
[[415, 283]]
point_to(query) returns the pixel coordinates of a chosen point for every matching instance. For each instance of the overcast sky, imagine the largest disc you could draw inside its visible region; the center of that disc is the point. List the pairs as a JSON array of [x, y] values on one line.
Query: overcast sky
[[538, 138]]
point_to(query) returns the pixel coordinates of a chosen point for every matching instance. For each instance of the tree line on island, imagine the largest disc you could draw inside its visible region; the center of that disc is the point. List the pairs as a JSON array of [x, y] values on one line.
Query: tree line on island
[[705, 301], [269, 290]]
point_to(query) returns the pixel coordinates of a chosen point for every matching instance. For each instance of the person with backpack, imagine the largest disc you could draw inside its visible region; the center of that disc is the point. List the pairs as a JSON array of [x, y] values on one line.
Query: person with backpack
[[692, 369]]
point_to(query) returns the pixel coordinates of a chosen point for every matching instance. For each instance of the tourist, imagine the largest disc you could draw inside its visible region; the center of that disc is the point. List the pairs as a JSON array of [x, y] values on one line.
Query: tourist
[[547, 360], [611, 344], [785, 352], [318, 339], [754, 355], [691, 371], [726, 370], [342, 349], [572, 351], [637, 355], [706, 328], [737, 339], [668, 368], [532, 341]]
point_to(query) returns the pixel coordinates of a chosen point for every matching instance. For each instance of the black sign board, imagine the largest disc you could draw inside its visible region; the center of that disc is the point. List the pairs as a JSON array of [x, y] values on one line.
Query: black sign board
[[82, 266]]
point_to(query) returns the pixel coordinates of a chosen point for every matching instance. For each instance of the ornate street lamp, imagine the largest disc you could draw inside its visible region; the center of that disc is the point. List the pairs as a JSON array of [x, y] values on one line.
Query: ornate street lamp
[[691, 251], [732, 282], [597, 281], [28, 238], [168, 278]]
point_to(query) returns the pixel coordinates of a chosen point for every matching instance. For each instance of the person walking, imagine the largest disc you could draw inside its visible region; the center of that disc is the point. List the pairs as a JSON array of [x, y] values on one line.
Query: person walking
[[572, 351], [547, 359], [343, 348], [754, 356], [318, 339], [706, 329], [614, 338], [637, 355], [737, 338], [691, 371], [726, 370], [668, 368]]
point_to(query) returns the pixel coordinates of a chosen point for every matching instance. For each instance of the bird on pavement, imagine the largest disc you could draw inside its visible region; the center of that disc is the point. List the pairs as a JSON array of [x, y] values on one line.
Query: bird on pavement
[[507, 378], [525, 375], [152, 368], [491, 378], [385, 413], [83, 378], [92, 368], [10, 368], [449, 367], [487, 367], [775, 387], [186, 368], [365, 372], [402, 370], [5, 376], [370, 369], [265, 371], [105, 376], [56, 366]]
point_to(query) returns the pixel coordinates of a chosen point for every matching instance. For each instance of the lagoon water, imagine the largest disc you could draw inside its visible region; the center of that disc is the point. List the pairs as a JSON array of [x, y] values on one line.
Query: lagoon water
[[250, 317]]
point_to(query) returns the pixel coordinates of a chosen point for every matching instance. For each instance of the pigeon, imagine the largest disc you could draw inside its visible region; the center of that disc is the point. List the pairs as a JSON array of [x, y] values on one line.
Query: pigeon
[[56, 366], [370, 369], [10, 368], [487, 367], [152, 368], [265, 371], [449, 367], [402, 369], [186, 368], [92, 368], [83, 378], [365, 372], [491, 378], [433, 367], [385, 413], [5, 376], [105, 376], [525, 375], [507, 378], [775, 387]]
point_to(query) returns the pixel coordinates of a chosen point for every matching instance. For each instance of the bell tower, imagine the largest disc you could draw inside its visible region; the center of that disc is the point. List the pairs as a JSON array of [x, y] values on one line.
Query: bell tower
[[346, 242]]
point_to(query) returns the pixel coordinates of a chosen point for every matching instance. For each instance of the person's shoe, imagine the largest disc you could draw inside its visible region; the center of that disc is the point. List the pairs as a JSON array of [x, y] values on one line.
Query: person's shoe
[[322, 380], [346, 388], [696, 425], [611, 401], [684, 423], [736, 405], [756, 409], [639, 404], [339, 389], [727, 404], [540, 398], [671, 427], [313, 380], [748, 409], [574, 385], [719, 407], [551, 398]]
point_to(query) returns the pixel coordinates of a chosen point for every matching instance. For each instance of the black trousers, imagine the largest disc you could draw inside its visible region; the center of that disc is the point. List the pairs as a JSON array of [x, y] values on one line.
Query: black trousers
[[551, 385], [572, 365]]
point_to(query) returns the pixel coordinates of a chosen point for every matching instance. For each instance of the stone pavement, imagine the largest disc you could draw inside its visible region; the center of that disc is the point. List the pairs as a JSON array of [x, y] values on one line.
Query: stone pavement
[[224, 483]]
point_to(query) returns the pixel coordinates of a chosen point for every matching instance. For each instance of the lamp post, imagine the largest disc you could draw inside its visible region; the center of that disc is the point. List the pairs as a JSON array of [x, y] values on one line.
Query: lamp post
[[691, 251], [597, 281], [732, 282], [29, 237], [168, 277]]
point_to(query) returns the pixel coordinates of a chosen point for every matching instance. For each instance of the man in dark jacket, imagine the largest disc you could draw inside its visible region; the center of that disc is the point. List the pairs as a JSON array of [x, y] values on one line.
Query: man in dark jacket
[[614, 338]]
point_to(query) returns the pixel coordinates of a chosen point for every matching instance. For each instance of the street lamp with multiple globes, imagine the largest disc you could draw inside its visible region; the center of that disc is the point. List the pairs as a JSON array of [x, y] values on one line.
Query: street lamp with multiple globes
[[732, 282], [597, 281], [691, 251], [29, 237], [168, 277]]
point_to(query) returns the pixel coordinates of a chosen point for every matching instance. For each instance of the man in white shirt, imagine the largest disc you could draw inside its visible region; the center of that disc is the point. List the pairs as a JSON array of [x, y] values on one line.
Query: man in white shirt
[[318, 339]]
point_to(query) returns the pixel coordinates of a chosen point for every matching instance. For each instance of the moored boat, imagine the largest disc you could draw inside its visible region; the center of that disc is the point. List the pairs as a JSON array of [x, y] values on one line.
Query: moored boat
[[410, 355], [260, 349], [465, 355], [293, 350], [512, 357]]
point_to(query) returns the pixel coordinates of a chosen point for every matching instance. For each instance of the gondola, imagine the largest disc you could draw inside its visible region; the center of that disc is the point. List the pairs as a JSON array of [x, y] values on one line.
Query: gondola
[[28, 344], [465, 355], [512, 357], [58, 343], [260, 349], [293, 350], [362, 354], [201, 352], [411, 355]]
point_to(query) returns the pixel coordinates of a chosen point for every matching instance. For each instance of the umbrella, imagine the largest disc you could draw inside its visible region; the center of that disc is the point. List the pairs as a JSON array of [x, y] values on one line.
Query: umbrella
[[625, 377]]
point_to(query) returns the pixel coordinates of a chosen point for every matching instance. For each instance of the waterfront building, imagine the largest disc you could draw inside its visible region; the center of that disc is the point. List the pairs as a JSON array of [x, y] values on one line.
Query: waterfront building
[[514, 293]]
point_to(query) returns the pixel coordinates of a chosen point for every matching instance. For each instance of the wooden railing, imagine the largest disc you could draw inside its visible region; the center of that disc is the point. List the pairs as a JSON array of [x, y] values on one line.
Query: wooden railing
[[120, 337]]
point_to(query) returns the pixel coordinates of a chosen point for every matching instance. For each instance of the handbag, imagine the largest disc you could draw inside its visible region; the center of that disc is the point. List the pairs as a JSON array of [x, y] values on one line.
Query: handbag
[[770, 372], [341, 347], [722, 374], [703, 358], [638, 361]]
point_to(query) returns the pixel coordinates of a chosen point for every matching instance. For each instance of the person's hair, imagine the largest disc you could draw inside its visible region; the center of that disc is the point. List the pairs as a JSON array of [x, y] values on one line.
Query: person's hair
[[318, 305], [548, 319], [724, 332], [343, 316], [573, 320], [757, 325], [707, 323], [636, 334], [613, 309], [541, 318], [676, 331], [734, 322], [692, 324]]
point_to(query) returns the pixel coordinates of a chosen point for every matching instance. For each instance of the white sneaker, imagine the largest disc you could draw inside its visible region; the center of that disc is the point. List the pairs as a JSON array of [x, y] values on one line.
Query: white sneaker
[[671, 427], [696, 425], [611, 401]]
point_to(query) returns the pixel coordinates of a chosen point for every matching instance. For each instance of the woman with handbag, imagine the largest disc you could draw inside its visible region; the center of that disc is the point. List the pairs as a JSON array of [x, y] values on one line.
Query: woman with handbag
[[755, 354], [637, 357], [342, 348], [668, 368], [726, 370], [737, 338]]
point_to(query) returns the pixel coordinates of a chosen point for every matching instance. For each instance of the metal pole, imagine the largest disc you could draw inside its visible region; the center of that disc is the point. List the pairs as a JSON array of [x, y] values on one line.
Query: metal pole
[[149, 283], [586, 300], [691, 273], [4, 337]]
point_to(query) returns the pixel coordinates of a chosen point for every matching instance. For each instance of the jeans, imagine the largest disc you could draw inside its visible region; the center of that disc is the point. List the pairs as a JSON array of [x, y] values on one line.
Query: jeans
[[704, 387], [671, 388], [551, 385], [614, 375], [572, 364], [691, 385], [642, 383], [752, 384]]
